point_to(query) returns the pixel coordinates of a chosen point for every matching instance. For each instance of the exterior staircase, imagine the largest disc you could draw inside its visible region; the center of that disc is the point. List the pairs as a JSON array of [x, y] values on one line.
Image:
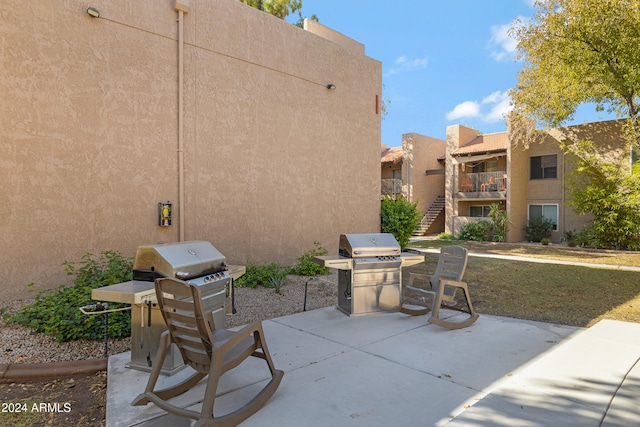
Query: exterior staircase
[[436, 208]]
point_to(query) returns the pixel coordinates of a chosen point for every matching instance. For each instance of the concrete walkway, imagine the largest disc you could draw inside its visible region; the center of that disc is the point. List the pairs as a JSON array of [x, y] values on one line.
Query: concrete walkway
[[397, 370]]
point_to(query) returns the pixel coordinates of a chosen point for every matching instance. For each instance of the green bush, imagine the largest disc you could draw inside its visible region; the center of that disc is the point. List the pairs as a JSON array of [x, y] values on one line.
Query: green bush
[[307, 266], [259, 275], [278, 281], [538, 229], [56, 312], [400, 218], [499, 223], [445, 236], [571, 238], [477, 231]]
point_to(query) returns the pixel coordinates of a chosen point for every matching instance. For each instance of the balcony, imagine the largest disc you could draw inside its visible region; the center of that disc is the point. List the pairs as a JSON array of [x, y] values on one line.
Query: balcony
[[391, 187], [485, 185]]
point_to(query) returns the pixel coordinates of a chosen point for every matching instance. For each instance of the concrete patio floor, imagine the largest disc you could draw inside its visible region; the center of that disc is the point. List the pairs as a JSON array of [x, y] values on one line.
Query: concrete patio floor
[[397, 370]]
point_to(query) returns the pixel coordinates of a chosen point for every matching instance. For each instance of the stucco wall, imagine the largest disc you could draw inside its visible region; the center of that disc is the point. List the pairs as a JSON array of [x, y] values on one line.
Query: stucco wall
[[421, 154], [90, 130], [608, 139]]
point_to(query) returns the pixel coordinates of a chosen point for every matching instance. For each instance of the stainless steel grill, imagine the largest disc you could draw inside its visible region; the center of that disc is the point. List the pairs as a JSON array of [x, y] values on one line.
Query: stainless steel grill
[[370, 272], [195, 262]]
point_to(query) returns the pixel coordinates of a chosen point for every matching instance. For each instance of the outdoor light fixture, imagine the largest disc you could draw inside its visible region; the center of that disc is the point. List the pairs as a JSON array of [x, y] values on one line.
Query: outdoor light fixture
[[93, 12], [331, 86]]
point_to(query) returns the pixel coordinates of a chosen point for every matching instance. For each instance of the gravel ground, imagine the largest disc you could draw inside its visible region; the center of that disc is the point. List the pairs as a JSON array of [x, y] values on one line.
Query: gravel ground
[[20, 345]]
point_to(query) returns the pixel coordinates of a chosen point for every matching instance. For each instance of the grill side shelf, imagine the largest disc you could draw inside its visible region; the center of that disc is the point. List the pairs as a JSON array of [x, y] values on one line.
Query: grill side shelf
[[335, 261]]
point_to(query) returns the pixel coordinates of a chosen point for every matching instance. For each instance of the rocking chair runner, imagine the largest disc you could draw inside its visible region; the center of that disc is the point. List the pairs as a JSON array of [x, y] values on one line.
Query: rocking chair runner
[[444, 284], [209, 351]]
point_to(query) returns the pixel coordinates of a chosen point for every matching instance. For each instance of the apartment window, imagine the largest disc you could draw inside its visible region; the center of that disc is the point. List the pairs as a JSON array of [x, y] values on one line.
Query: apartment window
[[479, 211], [544, 167], [545, 211]]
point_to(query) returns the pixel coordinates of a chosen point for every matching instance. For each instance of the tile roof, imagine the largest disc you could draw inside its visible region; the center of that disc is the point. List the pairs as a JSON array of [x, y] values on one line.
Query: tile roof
[[391, 155], [490, 143]]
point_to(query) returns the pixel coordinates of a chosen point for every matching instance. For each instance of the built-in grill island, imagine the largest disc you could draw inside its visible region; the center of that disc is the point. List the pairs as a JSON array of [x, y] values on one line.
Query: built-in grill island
[[195, 262], [370, 272]]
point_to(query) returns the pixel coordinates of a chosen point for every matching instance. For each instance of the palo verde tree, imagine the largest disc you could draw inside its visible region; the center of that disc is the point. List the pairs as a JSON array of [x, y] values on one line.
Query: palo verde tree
[[577, 52]]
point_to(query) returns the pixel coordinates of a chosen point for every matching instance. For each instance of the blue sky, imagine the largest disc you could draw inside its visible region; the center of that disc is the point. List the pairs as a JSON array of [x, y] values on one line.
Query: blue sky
[[443, 62]]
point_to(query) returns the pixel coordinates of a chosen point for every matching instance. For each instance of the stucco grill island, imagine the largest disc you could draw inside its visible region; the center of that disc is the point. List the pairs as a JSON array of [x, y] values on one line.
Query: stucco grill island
[[370, 272], [195, 262]]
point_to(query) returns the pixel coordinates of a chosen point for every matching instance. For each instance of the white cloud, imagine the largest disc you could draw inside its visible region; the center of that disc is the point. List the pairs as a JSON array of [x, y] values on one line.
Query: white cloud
[[498, 111], [467, 109], [402, 63], [497, 103], [502, 44]]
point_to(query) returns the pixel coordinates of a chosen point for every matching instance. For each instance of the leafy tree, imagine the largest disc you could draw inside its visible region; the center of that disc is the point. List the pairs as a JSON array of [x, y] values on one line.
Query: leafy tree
[[279, 8], [300, 21], [400, 218], [575, 52], [607, 190]]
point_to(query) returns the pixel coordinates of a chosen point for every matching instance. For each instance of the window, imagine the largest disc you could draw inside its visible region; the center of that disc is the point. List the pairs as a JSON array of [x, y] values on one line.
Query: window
[[544, 167], [545, 211], [479, 211]]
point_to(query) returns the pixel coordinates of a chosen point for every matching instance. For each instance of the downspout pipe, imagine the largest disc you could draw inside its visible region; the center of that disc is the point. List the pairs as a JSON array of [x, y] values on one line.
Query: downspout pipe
[[182, 7]]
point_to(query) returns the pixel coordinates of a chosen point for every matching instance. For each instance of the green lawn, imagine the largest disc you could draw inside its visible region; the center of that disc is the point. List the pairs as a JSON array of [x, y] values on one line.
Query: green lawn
[[568, 295]]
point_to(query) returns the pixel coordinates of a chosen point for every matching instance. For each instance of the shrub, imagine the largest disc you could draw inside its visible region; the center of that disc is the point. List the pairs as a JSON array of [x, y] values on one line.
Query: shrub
[[477, 231], [278, 281], [307, 266], [571, 238], [56, 312], [400, 218], [499, 223], [544, 241], [445, 236], [259, 275], [538, 229]]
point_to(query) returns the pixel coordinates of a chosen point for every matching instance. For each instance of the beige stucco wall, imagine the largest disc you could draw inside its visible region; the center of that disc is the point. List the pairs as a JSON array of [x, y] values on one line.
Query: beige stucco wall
[[386, 170], [421, 154], [457, 136], [609, 141], [518, 173], [90, 130]]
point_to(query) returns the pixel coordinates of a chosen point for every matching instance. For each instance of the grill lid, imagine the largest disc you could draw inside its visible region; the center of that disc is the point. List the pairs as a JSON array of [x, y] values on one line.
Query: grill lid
[[368, 245], [182, 260]]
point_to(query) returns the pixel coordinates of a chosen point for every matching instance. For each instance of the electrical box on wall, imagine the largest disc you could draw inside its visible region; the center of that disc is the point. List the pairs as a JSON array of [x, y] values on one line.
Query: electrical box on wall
[[164, 214]]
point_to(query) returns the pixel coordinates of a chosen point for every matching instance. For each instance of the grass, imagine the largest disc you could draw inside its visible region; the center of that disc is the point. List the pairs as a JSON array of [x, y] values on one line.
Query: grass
[[536, 250], [561, 294]]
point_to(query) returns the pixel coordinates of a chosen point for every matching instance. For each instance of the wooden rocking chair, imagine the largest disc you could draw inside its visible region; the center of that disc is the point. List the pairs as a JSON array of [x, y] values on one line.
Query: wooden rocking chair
[[206, 349], [444, 284]]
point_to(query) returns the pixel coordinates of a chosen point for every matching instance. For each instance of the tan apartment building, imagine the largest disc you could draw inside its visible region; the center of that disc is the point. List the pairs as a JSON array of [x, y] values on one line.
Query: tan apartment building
[[247, 124], [527, 182], [413, 172], [485, 169]]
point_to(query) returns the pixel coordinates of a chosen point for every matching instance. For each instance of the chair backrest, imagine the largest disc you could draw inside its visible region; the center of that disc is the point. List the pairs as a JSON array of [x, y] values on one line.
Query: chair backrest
[[452, 263], [181, 307]]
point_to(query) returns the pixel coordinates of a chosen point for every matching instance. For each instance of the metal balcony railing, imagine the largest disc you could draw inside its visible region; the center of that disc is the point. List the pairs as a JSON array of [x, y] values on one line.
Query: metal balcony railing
[[482, 182], [391, 187]]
